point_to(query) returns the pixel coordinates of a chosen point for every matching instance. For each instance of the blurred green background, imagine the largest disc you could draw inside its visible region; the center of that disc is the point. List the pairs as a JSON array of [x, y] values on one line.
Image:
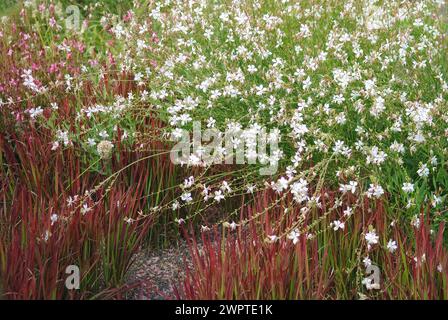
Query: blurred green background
[[113, 6]]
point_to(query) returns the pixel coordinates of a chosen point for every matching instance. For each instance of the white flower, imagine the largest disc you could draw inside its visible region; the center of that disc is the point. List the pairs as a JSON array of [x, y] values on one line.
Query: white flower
[[299, 190], [397, 147], [205, 229], [338, 225], [309, 236], [348, 212], [423, 171], [211, 122], [375, 191], [180, 221], [70, 201], [225, 187], [416, 222], [35, 112], [367, 262], [378, 106], [351, 187], [371, 237], [370, 86], [392, 246], [376, 156], [188, 182], [434, 161], [294, 236], [340, 148], [218, 196], [91, 142], [63, 137], [85, 209], [250, 188], [408, 187], [280, 185], [55, 145], [421, 260], [54, 218], [231, 225], [273, 238], [436, 201], [186, 197], [340, 118], [103, 134], [251, 69]]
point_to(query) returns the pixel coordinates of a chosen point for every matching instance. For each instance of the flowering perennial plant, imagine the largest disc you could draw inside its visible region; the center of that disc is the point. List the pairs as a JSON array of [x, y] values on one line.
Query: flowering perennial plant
[[350, 98]]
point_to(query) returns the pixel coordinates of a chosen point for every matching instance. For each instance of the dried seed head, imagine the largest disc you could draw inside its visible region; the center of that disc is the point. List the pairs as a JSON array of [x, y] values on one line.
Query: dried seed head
[[104, 149]]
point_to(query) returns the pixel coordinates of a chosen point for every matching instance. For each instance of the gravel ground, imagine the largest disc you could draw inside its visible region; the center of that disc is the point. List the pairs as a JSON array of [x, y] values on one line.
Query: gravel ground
[[158, 271]]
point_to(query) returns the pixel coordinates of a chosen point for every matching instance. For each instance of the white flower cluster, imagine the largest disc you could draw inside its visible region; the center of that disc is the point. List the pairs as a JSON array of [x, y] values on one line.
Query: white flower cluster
[[362, 102]]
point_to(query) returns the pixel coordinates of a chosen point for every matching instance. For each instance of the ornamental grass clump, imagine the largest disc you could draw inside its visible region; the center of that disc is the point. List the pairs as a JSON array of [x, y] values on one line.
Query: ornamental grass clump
[[278, 252]]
